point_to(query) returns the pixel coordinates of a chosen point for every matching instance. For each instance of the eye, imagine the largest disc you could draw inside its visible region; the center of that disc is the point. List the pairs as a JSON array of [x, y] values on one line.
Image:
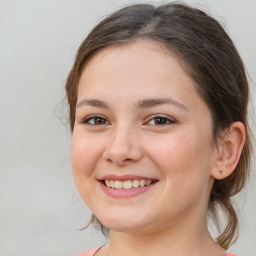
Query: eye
[[161, 120], [95, 120]]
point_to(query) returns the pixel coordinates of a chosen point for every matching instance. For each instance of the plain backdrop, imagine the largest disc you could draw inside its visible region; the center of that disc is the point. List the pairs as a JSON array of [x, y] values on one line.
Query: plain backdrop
[[40, 210]]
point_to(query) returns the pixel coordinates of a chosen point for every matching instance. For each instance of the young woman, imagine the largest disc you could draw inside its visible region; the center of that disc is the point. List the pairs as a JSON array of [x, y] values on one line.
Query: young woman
[[158, 110]]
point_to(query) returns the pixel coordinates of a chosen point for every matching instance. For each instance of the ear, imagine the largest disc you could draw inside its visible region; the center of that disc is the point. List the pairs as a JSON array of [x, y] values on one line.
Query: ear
[[229, 151]]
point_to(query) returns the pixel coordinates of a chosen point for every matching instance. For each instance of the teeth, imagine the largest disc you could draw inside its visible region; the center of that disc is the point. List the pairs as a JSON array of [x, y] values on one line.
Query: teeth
[[127, 184], [135, 183], [148, 182], [142, 183], [107, 182], [118, 184]]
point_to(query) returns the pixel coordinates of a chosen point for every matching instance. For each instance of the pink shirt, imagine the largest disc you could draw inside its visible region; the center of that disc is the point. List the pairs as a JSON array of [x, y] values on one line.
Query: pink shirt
[[93, 251]]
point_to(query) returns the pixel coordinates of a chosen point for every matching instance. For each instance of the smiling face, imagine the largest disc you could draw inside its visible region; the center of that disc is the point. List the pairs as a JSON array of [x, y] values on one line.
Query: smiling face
[[142, 146]]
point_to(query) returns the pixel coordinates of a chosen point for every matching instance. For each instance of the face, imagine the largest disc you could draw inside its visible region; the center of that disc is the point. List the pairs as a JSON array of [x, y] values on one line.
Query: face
[[142, 146]]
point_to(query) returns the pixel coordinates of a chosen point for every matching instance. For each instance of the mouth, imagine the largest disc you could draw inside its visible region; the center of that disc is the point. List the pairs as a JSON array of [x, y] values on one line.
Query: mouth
[[127, 184]]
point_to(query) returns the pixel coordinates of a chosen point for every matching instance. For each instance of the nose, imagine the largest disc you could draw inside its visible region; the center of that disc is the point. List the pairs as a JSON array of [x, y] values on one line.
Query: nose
[[123, 147]]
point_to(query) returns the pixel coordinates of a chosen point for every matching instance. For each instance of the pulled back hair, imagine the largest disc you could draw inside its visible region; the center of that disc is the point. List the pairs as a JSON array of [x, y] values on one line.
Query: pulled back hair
[[210, 59]]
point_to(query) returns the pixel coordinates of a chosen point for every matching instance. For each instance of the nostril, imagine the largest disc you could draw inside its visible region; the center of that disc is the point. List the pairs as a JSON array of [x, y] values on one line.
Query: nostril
[[116, 160], [127, 159]]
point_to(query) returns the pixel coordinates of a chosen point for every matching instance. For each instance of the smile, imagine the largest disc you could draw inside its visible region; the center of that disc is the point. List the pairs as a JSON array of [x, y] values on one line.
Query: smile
[[127, 184]]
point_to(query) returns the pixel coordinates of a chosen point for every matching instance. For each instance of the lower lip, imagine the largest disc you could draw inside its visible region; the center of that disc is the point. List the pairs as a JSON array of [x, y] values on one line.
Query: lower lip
[[125, 193]]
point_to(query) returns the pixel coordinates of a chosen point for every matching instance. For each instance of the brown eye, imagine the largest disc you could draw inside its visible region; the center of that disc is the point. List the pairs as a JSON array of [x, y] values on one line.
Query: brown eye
[[95, 120], [99, 120], [161, 121]]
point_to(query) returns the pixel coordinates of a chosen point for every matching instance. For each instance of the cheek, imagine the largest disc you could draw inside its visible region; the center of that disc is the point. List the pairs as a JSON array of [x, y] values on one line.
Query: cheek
[[183, 155], [184, 163], [84, 156], [172, 150]]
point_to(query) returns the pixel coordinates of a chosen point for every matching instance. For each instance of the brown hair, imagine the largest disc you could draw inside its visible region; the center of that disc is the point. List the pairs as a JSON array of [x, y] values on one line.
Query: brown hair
[[210, 59]]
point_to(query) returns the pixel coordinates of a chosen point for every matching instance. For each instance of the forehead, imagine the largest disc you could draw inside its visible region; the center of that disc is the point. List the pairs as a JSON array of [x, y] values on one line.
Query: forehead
[[140, 48], [133, 63]]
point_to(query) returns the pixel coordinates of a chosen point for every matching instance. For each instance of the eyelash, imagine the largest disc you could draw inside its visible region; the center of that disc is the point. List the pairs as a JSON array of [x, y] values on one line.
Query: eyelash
[[94, 117], [167, 120]]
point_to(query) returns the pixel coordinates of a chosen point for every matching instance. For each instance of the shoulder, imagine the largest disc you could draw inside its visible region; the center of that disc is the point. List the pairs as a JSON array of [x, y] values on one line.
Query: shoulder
[[90, 252]]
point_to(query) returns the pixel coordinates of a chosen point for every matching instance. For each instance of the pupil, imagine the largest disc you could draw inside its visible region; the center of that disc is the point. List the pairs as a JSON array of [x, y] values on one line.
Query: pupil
[[99, 121], [160, 121]]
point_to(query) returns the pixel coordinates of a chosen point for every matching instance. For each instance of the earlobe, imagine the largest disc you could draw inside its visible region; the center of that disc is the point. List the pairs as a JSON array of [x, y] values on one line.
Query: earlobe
[[229, 152]]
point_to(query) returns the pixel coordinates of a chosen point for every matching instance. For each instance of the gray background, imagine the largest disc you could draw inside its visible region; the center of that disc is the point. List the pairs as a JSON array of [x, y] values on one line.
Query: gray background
[[40, 210]]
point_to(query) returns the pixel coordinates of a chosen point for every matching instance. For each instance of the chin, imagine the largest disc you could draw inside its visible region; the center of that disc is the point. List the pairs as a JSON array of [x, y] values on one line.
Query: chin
[[125, 224]]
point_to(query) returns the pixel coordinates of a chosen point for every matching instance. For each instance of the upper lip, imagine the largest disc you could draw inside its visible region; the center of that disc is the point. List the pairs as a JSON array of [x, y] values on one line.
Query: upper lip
[[125, 177]]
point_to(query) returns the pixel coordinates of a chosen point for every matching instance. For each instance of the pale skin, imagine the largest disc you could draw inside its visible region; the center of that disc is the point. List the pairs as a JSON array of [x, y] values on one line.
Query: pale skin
[[138, 113]]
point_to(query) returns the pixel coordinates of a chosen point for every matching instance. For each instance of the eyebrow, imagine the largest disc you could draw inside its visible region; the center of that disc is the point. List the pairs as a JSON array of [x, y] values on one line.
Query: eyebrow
[[93, 102], [145, 103]]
